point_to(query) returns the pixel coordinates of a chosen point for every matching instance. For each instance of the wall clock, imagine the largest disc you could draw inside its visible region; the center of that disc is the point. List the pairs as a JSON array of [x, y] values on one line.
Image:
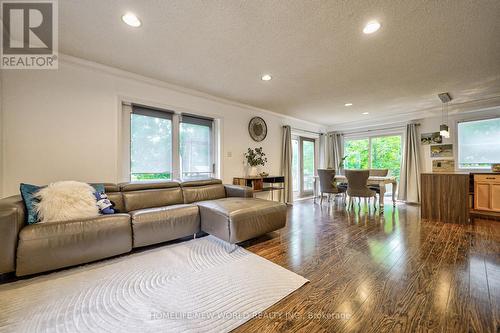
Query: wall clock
[[257, 129]]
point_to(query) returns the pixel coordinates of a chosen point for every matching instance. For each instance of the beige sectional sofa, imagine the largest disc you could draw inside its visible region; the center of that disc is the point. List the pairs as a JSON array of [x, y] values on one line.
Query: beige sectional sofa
[[150, 213]]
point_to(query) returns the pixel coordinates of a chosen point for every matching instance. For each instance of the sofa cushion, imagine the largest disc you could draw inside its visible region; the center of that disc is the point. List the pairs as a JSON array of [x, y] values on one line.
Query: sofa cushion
[[202, 193], [48, 246], [147, 185], [200, 182], [157, 225], [117, 199], [238, 219], [141, 199]]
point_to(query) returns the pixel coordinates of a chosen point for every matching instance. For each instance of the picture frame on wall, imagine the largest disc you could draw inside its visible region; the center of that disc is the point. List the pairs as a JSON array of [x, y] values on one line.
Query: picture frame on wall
[[438, 151], [443, 165], [430, 138]]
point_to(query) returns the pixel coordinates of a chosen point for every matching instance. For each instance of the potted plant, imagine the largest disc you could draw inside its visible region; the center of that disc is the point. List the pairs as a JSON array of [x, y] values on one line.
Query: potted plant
[[255, 157]]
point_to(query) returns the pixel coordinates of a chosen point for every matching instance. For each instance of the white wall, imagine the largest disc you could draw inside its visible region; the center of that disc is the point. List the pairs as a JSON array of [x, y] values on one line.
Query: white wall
[[64, 124], [431, 124]]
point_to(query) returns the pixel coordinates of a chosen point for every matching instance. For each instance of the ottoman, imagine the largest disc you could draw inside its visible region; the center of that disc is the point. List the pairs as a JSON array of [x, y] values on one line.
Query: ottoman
[[236, 220]]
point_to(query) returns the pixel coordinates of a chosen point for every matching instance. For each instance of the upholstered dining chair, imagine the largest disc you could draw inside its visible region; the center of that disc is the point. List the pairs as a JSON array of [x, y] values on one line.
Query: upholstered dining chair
[[377, 173], [327, 183], [357, 186]]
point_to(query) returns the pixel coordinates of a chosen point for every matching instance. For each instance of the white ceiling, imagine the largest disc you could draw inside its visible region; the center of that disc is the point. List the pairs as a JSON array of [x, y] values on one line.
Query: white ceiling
[[315, 50]]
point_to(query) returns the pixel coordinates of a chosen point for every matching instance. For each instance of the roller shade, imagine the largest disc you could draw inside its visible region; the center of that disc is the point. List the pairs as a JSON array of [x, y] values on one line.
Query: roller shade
[[151, 112], [197, 120]]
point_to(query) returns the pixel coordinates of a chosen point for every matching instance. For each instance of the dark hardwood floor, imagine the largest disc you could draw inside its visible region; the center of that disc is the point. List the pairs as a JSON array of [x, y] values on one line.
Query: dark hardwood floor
[[393, 272]]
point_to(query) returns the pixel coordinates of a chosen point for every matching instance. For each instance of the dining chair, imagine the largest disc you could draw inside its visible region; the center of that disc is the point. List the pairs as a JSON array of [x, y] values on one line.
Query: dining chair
[[327, 183], [377, 173], [357, 186]]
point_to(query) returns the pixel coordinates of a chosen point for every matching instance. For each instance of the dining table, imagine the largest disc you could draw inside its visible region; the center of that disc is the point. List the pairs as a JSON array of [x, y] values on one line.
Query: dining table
[[372, 180]]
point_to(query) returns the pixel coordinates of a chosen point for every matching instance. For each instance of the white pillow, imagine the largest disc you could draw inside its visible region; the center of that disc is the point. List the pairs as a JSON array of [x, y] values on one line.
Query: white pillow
[[66, 200]]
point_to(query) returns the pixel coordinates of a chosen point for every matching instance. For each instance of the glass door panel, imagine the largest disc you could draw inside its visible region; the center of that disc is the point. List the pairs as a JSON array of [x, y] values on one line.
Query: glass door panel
[[307, 166], [295, 166]]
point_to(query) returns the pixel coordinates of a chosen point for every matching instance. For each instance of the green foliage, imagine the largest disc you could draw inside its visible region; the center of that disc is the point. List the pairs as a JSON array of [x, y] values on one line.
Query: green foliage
[[256, 157], [357, 154], [147, 176], [385, 154]]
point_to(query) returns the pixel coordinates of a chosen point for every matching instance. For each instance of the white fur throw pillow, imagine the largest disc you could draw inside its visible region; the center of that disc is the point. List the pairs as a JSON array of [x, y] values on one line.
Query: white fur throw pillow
[[66, 200]]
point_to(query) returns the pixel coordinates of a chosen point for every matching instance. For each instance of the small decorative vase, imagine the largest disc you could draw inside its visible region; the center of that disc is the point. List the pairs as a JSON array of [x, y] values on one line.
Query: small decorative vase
[[253, 171]]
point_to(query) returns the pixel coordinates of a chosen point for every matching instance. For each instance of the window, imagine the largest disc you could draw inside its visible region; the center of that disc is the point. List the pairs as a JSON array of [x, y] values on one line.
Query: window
[[150, 144], [478, 143], [380, 152], [386, 154], [152, 151], [196, 147], [357, 154]]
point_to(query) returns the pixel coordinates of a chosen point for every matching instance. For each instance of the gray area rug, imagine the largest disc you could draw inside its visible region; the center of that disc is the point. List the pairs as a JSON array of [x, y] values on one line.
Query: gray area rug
[[192, 286]]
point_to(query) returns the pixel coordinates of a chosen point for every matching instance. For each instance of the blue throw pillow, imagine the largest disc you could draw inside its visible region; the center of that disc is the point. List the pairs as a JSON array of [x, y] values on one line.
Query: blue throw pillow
[[28, 193], [99, 188]]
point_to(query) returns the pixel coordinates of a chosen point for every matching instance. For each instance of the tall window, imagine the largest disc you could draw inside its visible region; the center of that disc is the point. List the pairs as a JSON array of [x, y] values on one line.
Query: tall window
[[150, 144], [381, 152], [196, 147], [478, 143], [152, 154]]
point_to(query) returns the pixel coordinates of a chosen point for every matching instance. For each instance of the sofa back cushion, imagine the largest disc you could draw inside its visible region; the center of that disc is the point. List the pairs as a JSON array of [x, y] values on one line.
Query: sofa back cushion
[[148, 195], [202, 193], [117, 199]]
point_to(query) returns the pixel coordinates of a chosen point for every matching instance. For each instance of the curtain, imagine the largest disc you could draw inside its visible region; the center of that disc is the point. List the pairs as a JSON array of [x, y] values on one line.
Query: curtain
[[409, 184], [286, 163], [322, 150], [337, 150]]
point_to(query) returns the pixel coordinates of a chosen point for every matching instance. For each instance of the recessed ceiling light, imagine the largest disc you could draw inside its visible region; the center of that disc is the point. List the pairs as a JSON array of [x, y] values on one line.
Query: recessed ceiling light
[[132, 20], [348, 104], [371, 27], [266, 77], [365, 113]]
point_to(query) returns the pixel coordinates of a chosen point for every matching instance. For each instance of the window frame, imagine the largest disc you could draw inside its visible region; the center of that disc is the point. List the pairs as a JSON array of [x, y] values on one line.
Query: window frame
[[370, 136], [124, 135], [456, 156], [300, 138]]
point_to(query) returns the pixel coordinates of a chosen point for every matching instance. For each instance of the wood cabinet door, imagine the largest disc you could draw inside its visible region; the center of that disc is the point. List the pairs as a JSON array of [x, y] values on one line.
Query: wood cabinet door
[[482, 193], [495, 197]]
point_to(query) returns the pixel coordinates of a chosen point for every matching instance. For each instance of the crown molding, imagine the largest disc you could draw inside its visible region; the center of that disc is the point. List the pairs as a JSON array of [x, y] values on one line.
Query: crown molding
[[478, 105], [71, 60]]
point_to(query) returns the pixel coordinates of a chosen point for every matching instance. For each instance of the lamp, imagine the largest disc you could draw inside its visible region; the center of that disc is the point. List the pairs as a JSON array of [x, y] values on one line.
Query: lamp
[[444, 130]]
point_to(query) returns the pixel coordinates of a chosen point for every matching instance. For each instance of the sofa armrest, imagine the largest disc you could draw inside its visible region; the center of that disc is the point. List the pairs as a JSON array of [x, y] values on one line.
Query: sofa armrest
[[11, 221], [238, 191]]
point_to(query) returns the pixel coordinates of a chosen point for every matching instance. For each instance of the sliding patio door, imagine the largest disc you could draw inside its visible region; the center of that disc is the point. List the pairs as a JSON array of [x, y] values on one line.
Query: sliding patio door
[[303, 166]]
